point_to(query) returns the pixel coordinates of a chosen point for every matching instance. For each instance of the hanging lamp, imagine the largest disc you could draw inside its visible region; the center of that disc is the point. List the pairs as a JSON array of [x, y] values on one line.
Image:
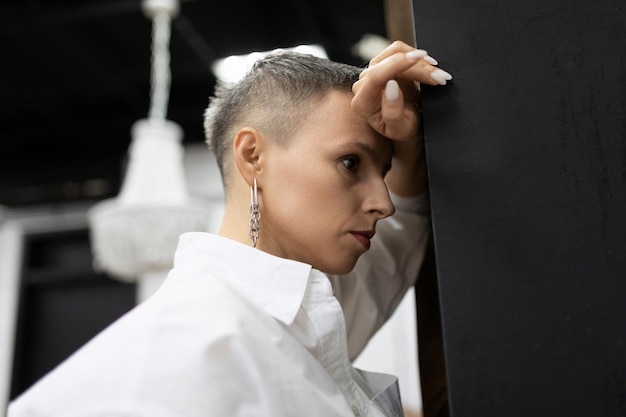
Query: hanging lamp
[[134, 235]]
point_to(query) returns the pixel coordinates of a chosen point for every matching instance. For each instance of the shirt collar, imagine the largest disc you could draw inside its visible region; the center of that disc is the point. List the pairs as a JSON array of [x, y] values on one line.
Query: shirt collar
[[276, 285]]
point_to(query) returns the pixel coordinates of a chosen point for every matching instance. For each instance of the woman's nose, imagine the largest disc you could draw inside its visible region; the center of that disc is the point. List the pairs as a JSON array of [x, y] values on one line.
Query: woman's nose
[[378, 201]]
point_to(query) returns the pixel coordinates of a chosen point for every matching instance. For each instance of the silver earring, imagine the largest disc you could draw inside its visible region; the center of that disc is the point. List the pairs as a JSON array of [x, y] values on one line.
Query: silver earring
[[255, 215]]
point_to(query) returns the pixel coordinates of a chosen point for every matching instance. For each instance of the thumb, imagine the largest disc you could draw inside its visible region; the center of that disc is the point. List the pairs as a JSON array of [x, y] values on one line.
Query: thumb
[[398, 121]]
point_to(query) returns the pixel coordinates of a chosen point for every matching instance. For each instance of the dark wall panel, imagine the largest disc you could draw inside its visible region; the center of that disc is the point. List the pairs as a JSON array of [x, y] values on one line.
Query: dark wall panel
[[527, 168]]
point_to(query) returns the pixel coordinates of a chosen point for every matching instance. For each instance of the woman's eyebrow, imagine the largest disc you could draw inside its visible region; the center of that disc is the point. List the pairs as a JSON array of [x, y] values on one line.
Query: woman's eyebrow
[[369, 151], [365, 148]]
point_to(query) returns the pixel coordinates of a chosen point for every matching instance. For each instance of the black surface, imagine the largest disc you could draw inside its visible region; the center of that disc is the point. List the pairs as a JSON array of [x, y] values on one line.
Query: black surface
[[527, 167]]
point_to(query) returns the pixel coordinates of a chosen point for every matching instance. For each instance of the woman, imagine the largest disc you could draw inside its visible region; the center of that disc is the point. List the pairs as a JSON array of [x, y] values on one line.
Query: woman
[[248, 322]]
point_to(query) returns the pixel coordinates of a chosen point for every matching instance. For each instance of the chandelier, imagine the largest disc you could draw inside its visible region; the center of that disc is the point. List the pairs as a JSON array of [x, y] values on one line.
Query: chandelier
[[134, 235]]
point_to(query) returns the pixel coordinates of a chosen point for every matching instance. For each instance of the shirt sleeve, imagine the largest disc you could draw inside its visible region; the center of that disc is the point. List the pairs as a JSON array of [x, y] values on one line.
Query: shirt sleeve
[[371, 292]]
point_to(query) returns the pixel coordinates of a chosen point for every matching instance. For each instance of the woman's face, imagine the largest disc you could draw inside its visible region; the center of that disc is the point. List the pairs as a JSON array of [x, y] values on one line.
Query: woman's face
[[321, 196]]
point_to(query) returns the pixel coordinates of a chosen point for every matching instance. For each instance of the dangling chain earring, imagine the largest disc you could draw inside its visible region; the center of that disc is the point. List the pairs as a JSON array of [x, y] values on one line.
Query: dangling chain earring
[[255, 215]]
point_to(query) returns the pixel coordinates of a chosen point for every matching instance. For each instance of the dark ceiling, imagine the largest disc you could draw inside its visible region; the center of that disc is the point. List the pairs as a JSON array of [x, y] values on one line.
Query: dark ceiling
[[75, 76]]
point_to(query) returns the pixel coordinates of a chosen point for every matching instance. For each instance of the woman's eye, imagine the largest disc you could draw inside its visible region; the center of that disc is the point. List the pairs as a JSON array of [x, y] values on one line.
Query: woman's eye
[[350, 162]]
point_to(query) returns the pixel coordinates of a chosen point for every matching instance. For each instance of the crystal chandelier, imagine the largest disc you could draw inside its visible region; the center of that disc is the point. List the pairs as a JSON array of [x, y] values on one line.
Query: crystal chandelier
[[134, 235]]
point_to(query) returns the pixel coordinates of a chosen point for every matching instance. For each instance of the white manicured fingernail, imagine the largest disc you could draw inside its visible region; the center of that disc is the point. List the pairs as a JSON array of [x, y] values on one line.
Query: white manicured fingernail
[[440, 76], [392, 90], [431, 60], [416, 54]]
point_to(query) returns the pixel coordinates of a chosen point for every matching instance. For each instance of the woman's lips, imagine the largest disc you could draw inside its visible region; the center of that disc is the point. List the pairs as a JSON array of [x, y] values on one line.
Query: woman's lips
[[364, 237]]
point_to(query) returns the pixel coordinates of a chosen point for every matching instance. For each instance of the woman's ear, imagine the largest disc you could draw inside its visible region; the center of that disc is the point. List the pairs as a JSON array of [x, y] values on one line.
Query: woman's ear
[[248, 145]]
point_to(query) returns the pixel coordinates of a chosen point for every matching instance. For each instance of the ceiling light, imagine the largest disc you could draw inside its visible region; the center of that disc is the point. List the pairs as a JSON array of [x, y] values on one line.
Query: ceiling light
[[232, 68], [134, 235], [369, 46]]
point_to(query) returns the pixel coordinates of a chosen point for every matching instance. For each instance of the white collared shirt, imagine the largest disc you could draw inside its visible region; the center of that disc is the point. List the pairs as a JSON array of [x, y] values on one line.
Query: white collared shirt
[[234, 331]]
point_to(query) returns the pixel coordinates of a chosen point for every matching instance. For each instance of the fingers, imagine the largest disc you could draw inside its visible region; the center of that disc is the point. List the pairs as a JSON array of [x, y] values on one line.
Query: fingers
[[440, 76], [424, 70], [368, 88], [393, 48], [395, 64]]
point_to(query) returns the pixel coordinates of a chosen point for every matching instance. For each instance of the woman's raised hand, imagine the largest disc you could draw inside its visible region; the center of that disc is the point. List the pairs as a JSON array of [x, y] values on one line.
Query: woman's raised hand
[[387, 92]]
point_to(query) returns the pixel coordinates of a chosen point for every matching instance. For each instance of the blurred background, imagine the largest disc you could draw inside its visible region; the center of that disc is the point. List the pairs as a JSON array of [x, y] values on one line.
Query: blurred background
[[75, 77]]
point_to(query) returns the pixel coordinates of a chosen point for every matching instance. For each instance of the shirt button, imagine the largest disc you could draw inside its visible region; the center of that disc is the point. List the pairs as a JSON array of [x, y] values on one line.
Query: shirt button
[[355, 410]]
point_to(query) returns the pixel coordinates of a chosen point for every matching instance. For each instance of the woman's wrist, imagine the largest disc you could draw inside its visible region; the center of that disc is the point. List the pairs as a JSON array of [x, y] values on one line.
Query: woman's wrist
[[407, 176]]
